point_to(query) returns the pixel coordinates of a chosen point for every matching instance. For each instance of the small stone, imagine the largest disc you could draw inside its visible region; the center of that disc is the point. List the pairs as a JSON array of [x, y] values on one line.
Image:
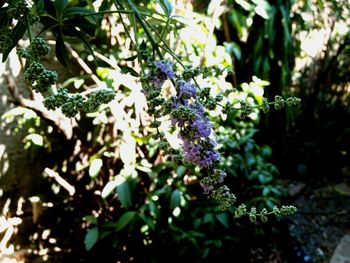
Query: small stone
[[342, 251]]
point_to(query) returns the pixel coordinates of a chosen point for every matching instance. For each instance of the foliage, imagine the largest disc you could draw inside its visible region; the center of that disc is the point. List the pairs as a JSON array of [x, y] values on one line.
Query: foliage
[[126, 162]]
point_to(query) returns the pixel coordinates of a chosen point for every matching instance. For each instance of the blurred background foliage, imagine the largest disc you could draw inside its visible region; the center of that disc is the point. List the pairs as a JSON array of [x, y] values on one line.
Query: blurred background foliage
[[115, 196]]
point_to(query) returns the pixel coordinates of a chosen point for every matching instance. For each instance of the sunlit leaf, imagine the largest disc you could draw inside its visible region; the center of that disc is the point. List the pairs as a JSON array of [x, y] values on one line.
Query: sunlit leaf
[[95, 167], [166, 6]]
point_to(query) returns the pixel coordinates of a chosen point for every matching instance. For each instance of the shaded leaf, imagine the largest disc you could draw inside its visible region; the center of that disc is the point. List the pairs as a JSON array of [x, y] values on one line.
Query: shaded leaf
[[223, 219], [124, 220], [61, 51], [126, 69], [147, 220], [91, 238], [60, 5], [124, 194], [76, 10], [175, 199], [82, 23]]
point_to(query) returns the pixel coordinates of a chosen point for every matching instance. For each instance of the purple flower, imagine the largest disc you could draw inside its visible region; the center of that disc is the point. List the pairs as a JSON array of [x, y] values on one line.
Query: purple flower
[[201, 153], [221, 177], [159, 80], [202, 126], [166, 68], [186, 90]]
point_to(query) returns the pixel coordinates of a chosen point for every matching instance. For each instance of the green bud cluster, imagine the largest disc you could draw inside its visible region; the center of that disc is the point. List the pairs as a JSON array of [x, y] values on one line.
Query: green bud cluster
[[263, 215], [292, 101], [246, 109], [265, 105], [71, 105], [97, 98], [284, 210], [252, 215], [208, 101], [226, 198], [39, 77], [190, 72], [211, 71], [204, 93], [39, 47], [18, 8], [279, 102], [5, 39], [240, 211], [183, 113], [55, 101], [23, 53]]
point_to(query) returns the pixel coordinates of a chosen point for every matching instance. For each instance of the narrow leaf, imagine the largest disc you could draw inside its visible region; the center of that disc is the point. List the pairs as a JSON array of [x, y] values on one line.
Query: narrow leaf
[[124, 220], [124, 194], [60, 5], [61, 51], [126, 69]]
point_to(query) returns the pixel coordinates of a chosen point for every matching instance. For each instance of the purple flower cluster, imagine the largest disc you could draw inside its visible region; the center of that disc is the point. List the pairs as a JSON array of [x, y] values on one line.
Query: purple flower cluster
[[198, 144], [187, 113], [201, 152], [164, 71], [187, 90]]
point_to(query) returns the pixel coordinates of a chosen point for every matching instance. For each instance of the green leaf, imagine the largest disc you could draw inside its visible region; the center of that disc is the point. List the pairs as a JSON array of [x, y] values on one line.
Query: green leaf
[[39, 6], [60, 5], [180, 171], [126, 69], [49, 23], [76, 10], [82, 23], [208, 218], [90, 218], [266, 191], [91, 238], [147, 220], [61, 51], [223, 219], [130, 58], [175, 199], [112, 185], [95, 167], [17, 34], [124, 220], [124, 194], [166, 6], [85, 42]]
